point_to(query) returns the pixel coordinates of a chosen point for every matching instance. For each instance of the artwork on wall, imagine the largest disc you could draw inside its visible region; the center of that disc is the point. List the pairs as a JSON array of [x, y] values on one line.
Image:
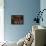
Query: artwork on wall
[[39, 16], [17, 19]]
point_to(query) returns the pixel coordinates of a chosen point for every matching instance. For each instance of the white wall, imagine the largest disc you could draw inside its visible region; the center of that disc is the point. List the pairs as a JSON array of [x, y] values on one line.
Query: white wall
[[1, 20]]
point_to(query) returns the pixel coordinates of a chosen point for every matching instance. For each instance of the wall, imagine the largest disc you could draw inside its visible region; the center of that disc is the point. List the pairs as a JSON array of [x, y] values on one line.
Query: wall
[[19, 7], [43, 6], [1, 20]]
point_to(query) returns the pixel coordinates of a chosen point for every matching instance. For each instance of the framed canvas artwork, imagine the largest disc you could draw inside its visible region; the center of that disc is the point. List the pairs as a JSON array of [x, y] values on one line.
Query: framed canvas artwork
[[17, 19]]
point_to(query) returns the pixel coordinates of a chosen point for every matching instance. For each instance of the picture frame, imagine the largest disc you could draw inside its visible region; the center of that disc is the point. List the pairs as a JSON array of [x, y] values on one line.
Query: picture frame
[[17, 19]]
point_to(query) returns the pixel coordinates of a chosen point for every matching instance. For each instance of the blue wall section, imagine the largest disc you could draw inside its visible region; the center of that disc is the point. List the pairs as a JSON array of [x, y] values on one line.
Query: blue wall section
[[19, 7]]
